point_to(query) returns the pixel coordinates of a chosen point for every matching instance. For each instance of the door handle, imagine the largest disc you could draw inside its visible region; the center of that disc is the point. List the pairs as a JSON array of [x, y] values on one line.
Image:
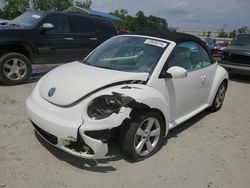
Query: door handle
[[68, 38], [203, 78], [93, 38]]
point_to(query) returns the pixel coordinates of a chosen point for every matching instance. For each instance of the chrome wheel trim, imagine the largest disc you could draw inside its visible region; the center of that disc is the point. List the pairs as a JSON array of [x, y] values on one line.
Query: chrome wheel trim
[[14, 69], [220, 96], [147, 136]]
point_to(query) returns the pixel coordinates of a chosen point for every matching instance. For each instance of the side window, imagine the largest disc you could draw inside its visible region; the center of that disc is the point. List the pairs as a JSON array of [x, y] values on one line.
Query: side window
[[104, 27], [186, 55], [206, 61], [60, 22], [82, 25]]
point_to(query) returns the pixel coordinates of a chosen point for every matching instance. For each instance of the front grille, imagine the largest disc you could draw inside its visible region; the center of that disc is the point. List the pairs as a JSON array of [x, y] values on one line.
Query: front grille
[[237, 59], [49, 137]]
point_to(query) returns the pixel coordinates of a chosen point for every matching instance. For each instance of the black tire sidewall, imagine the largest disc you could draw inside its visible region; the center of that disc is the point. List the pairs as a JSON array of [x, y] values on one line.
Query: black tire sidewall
[[7, 56], [128, 132]]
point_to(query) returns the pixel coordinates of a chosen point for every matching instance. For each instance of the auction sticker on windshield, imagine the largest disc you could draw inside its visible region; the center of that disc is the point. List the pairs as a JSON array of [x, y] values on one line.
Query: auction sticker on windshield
[[156, 43]]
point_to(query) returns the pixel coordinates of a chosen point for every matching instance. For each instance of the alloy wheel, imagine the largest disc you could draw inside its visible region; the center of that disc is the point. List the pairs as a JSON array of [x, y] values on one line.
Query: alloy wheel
[[14, 69], [220, 96], [147, 136]]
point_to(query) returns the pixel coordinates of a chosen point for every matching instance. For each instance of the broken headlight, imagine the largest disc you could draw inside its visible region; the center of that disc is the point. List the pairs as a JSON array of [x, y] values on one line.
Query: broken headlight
[[105, 105]]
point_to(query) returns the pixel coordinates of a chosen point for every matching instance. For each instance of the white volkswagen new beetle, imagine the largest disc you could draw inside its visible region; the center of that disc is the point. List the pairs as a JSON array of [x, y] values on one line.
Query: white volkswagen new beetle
[[136, 87]]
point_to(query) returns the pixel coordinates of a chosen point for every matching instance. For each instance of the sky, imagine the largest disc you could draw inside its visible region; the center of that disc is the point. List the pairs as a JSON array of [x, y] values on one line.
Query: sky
[[195, 14]]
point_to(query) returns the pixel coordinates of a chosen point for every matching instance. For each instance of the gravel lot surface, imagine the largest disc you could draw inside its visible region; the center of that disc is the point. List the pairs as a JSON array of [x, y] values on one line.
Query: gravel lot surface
[[210, 150]]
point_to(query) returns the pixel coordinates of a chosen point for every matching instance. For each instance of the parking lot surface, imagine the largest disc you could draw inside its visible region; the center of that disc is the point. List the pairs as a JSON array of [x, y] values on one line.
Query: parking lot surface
[[210, 150]]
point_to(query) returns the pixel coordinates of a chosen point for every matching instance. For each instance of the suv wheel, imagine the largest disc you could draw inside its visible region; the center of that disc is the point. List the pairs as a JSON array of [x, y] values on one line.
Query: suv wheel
[[15, 68], [142, 136]]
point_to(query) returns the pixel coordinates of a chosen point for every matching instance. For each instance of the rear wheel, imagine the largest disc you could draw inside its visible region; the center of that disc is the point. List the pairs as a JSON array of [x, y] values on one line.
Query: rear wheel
[[15, 68], [219, 97], [142, 136]]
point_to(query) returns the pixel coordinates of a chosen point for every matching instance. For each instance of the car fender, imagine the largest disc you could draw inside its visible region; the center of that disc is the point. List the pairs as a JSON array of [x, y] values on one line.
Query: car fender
[[145, 97], [220, 75]]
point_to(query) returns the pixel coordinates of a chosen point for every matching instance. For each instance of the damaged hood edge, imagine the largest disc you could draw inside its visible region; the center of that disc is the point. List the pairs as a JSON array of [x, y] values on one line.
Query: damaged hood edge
[[75, 81]]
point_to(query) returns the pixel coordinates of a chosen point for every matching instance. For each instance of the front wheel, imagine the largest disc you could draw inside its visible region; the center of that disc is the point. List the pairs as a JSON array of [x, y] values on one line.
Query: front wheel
[[219, 97], [142, 136], [15, 68]]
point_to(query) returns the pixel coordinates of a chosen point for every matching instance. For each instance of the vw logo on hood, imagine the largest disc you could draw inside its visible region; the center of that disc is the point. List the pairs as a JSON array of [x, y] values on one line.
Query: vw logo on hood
[[51, 91]]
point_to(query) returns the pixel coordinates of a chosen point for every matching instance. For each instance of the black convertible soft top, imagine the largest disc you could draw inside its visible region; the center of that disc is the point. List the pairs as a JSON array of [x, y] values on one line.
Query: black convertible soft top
[[176, 37], [172, 36]]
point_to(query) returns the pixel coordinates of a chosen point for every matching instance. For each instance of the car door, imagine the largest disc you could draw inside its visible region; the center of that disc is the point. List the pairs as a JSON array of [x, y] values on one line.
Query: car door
[[186, 94], [85, 36], [209, 66], [57, 45]]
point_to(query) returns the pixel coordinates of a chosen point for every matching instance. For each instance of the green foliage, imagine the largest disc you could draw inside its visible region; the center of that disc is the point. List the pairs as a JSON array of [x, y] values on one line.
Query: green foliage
[[139, 22], [14, 8], [244, 29], [56, 5], [83, 4], [232, 34]]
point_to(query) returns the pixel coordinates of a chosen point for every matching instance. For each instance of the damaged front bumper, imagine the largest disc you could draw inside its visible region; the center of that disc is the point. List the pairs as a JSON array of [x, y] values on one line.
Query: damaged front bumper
[[84, 146], [82, 137]]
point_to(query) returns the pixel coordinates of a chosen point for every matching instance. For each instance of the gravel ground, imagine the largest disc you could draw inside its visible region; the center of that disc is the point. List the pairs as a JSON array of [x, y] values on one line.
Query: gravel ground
[[210, 150]]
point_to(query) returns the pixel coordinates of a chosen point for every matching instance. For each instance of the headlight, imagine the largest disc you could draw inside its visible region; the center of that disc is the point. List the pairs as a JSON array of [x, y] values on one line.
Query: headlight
[[105, 105]]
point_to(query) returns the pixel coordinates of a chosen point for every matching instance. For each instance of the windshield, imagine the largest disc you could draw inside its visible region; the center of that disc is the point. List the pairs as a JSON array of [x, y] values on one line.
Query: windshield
[[28, 19], [128, 53], [241, 40]]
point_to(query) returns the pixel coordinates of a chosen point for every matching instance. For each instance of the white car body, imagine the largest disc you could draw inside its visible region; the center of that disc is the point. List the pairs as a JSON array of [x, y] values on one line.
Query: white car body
[[65, 116]]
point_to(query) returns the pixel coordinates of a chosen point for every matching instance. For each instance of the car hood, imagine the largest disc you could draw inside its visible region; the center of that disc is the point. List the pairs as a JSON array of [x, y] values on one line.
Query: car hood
[[240, 50], [73, 81]]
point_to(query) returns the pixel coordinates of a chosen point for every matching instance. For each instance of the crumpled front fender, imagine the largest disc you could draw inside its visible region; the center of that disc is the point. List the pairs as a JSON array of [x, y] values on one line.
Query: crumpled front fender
[[144, 97]]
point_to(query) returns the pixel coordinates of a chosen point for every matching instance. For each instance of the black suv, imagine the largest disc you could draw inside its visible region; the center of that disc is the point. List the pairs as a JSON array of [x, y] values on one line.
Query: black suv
[[236, 57], [38, 37]]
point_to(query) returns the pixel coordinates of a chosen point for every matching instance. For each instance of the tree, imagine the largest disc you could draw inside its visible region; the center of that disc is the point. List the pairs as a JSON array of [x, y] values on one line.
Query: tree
[[14, 8], [83, 4], [139, 21], [232, 34], [209, 34], [55, 5], [222, 32], [244, 29]]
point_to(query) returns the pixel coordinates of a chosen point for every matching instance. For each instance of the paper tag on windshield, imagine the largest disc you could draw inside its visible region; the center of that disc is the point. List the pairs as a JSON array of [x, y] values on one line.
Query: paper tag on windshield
[[36, 16], [156, 43]]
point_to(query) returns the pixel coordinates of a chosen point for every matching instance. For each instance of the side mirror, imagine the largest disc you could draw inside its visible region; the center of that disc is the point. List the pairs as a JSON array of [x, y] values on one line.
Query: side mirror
[[177, 72], [47, 27]]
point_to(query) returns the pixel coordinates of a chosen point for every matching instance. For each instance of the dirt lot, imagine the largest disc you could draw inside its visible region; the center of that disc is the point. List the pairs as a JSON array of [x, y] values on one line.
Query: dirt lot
[[210, 150]]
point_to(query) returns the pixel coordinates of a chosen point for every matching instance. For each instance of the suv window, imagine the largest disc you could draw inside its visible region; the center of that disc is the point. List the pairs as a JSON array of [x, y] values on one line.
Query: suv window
[[186, 55], [241, 40], [60, 22], [105, 27], [82, 25]]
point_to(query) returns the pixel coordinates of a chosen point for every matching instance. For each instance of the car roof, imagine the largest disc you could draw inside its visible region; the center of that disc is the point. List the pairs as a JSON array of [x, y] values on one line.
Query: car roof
[[173, 36], [69, 13], [177, 38]]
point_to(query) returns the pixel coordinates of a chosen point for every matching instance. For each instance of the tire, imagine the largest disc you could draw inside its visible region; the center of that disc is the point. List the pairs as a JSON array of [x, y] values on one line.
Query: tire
[[136, 133], [15, 68], [219, 97]]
